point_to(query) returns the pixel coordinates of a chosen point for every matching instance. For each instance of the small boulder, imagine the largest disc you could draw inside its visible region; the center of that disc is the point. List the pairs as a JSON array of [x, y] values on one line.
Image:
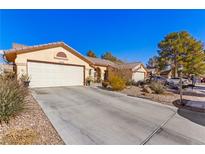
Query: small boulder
[[147, 89]]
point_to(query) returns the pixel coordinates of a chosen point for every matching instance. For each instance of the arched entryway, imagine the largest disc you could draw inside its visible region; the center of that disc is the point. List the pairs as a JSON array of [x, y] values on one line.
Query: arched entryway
[[98, 74]]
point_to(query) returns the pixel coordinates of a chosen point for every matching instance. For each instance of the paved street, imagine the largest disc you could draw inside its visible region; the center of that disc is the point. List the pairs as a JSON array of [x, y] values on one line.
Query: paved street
[[84, 115]]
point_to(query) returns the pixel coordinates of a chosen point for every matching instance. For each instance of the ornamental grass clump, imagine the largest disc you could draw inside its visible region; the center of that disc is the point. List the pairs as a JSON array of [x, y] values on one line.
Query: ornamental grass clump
[[24, 136], [157, 87], [12, 98]]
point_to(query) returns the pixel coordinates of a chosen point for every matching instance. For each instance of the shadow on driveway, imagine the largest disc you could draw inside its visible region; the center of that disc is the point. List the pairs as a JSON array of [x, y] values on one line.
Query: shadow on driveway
[[193, 114]]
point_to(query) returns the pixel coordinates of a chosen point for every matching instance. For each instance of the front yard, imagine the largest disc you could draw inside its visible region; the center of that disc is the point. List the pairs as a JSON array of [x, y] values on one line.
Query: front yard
[[169, 97], [29, 127]]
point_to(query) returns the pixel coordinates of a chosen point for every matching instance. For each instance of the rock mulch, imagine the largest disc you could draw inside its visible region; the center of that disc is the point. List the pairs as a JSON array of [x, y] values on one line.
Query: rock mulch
[[168, 98], [33, 118]]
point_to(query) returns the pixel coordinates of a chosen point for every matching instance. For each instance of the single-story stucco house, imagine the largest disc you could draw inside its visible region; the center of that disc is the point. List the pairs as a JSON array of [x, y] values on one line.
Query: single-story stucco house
[[138, 71], [166, 73], [57, 64]]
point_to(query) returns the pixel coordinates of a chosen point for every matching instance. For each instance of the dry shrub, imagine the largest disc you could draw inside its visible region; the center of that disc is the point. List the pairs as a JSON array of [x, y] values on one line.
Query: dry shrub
[[117, 78], [125, 74], [157, 87], [12, 98], [9, 75], [117, 83], [20, 137]]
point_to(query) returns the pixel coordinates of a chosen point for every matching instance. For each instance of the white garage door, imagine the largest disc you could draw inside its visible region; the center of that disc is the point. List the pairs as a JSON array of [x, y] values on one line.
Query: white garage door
[[138, 76], [51, 75]]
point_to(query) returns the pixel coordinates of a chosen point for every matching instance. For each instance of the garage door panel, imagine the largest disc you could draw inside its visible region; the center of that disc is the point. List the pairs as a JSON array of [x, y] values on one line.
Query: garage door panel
[[138, 76], [51, 75]]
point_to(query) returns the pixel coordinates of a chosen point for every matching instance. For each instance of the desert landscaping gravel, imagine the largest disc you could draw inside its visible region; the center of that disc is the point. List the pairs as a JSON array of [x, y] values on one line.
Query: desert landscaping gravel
[[167, 98], [33, 118]]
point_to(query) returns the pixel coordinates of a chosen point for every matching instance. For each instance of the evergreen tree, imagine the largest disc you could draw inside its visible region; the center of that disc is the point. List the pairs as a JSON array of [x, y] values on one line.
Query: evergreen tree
[[90, 53], [152, 62], [182, 48], [109, 56]]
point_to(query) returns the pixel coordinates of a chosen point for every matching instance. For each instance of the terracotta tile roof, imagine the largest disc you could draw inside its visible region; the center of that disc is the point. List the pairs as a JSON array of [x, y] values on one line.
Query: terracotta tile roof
[[96, 61], [99, 61], [23, 48], [129, 65]]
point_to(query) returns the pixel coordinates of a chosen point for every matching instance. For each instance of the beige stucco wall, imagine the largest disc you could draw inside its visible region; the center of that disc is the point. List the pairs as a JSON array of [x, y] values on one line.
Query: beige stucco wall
[[49, 55]]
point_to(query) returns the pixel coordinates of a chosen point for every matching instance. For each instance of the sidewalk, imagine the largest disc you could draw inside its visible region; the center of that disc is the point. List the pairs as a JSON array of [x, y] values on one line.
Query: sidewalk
[[196, 104]]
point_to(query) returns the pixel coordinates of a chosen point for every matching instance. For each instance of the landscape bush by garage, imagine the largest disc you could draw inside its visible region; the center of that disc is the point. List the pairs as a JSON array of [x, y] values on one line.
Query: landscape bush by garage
[[117, 83], [12, 98], [124, 74]]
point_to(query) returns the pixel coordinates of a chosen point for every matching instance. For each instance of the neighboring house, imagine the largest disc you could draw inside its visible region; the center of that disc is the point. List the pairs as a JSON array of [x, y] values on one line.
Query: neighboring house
[[166, 73], [151, 71], [137, 70], [57, 64]]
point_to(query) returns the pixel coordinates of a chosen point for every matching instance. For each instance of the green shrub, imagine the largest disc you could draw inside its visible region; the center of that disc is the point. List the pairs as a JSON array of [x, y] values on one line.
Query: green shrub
[[117, 83], [157, 87], [20, 137], [12, 98], [105, 84]]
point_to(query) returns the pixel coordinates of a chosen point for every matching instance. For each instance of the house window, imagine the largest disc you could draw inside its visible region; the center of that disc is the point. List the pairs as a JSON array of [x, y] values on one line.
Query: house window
[[61, 55]]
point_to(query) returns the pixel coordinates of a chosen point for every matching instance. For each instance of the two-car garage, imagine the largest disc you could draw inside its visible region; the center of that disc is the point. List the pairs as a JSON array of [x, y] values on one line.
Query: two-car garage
[[50, 74], [138, 76]]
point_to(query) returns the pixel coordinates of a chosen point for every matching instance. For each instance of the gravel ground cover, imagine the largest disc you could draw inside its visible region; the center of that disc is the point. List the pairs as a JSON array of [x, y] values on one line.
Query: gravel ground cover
[[168, 98], [33, 118]]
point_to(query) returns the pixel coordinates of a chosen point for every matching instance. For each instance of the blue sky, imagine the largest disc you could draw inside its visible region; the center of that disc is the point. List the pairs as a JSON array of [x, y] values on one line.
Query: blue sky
[[131, 35]]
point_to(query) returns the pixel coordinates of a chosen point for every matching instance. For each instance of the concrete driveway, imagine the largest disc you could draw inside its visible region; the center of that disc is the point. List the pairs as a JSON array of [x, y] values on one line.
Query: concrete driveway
[[85, 115]]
